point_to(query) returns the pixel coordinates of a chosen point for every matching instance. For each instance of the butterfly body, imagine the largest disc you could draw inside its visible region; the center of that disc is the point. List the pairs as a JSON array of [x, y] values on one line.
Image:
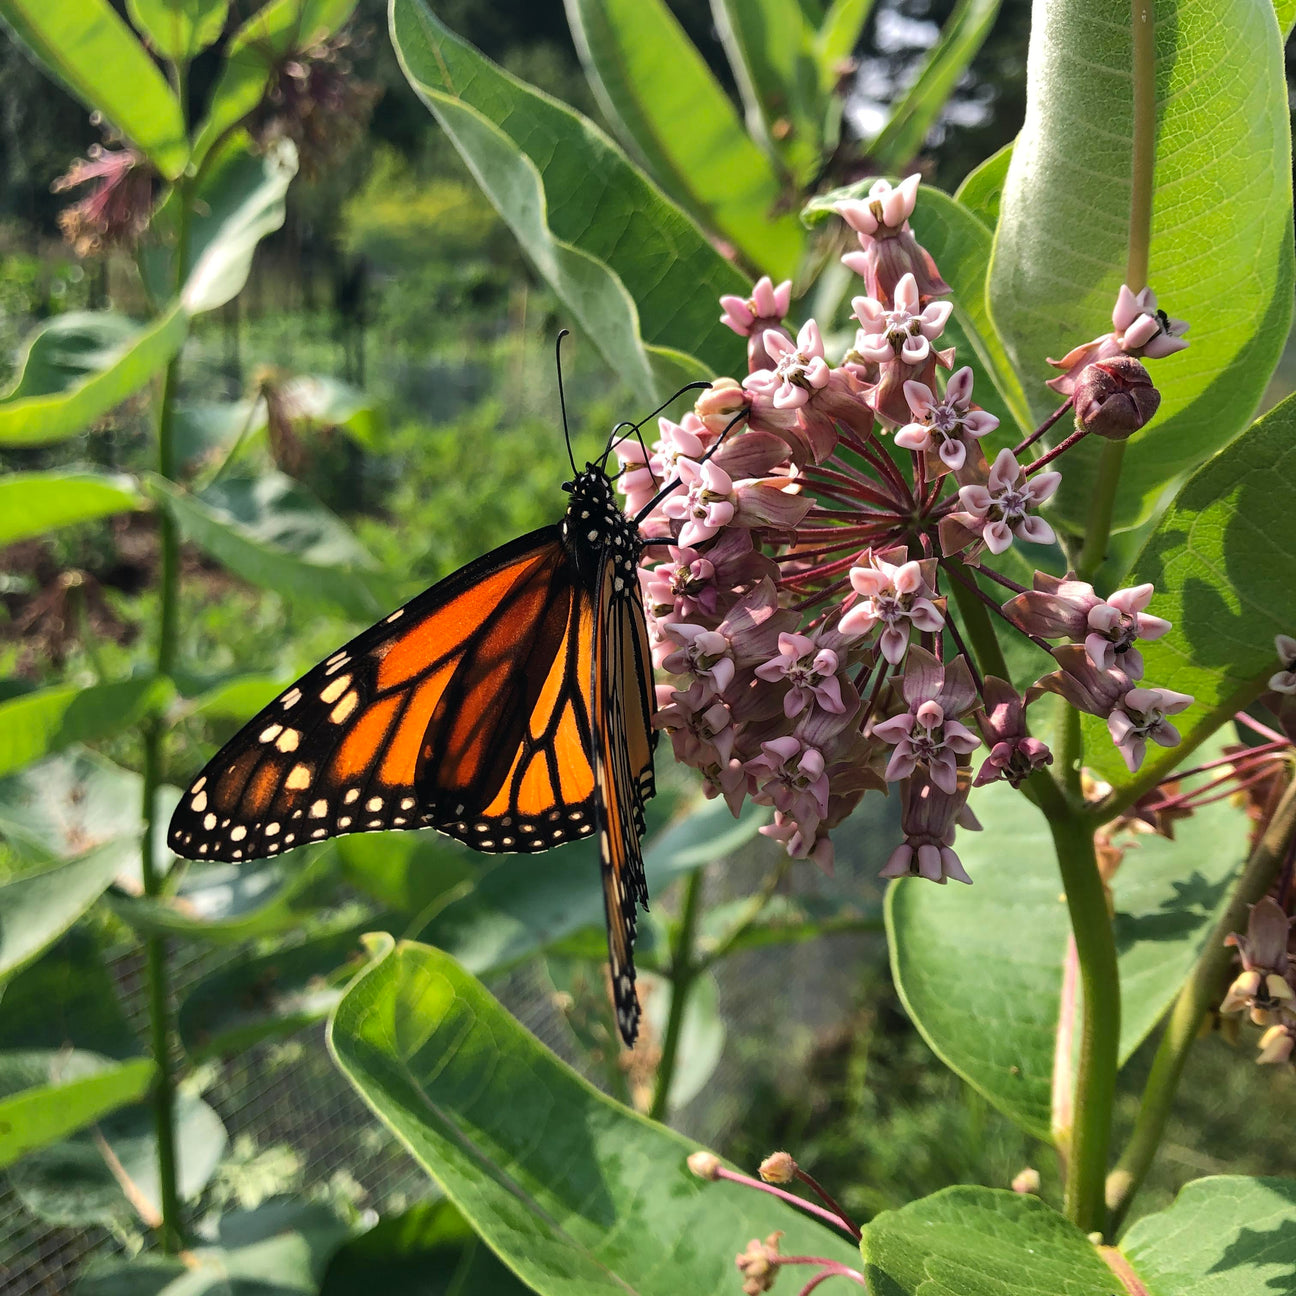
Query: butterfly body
[[509, 706]]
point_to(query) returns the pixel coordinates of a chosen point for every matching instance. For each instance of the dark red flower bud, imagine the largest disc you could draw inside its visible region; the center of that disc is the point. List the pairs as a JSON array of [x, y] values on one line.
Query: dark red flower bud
[[1115, 397]]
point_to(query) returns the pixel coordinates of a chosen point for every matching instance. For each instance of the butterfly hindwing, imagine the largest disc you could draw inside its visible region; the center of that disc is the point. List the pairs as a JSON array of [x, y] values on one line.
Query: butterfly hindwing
[[623, 770]]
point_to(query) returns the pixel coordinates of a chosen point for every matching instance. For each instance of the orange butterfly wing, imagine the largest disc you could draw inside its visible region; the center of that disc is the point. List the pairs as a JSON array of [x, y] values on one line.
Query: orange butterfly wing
[[447, 714]]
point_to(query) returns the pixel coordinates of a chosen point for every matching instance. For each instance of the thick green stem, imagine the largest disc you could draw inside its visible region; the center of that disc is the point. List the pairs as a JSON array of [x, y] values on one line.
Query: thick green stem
[[1200, 993], [1095, 1090], [683, 972], [155, 952]]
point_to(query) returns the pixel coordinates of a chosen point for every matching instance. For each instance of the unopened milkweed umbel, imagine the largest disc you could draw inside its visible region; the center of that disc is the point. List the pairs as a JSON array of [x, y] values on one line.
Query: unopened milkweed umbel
[[509, 706]]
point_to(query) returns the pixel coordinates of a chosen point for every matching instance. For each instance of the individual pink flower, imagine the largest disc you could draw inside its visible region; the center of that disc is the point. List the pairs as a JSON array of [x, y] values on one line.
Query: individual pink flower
[[810, 670], [1138, 329], [704, 654], [944, 424], [1141, 715], [790, 775], [1003, 507], [1014, 754], [928, 733], [1068, 608], [799, 368], [752, 316], [706, 505], [1285, 680], [699, 723], [928, 816], [889, 249], [896, 596], [1115, 623], [1261, 987], [904, 330]]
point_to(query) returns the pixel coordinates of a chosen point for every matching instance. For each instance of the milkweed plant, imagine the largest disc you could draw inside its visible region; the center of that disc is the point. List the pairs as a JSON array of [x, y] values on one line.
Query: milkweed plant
[[974, 519]]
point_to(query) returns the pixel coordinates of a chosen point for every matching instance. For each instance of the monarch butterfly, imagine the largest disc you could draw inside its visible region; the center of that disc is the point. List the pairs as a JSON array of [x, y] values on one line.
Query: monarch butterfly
[[509, 706]]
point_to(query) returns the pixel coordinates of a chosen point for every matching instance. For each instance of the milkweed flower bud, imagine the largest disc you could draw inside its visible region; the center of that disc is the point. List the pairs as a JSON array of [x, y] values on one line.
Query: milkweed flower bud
[[778, 1168], [759, 1264], [1114, 398], [1026, 1181], [706, 1165]]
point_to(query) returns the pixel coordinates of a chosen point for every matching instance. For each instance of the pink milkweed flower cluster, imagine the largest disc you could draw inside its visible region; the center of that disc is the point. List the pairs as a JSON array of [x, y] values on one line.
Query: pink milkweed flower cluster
[[797, 574]]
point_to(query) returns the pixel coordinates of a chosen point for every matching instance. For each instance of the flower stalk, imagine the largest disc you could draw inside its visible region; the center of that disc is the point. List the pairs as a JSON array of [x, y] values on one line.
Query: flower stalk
[[171, 1231]]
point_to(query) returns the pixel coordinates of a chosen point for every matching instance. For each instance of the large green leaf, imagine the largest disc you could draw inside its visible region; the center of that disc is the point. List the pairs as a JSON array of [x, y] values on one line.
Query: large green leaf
[[87, 47], [35, 502], [270, 531], [779, 70], [963, 34], [428, 1250], [574, 1192], [656, 87], [996, 1022], [970, 1241], [1286, 11], [79, 1181], [48, 720], [1221, 253], [1223, 1236], [179, 29], [78, 367], [253, 54], [1222, 560], [633, 269], [46, 1096], [239, 201], [38, 906]]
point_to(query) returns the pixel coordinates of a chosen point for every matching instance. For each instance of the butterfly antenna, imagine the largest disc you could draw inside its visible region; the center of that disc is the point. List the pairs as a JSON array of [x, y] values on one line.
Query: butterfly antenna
[[612, 439], [562, 400], [675, 481], [666, 404]]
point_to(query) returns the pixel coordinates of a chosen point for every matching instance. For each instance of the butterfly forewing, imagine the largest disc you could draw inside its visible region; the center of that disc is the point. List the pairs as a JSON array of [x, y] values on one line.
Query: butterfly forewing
[[340, 750]]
